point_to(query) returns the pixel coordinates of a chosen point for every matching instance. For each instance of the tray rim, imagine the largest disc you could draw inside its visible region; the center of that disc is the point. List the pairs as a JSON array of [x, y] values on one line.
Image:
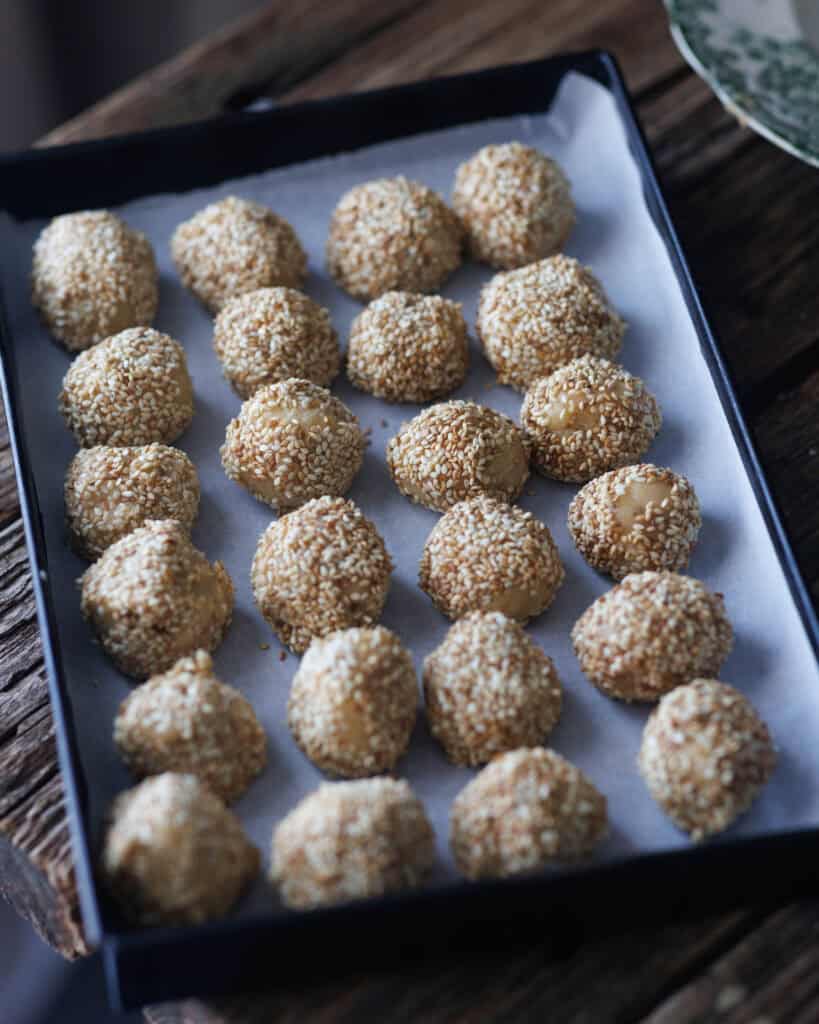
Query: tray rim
[[123, 949]]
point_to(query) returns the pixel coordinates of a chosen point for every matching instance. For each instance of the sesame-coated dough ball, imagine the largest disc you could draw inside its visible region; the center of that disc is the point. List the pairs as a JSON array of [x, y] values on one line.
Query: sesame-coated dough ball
[[635, 518], [589, 417], [353, 702], [650, 633], [93, 276], [392, 235], [174, 854], [488, 689], [271, 334], [485, 555], [458, 450], [186, 720], [131, 389], [352, 840], [533, 320], [705, 756], [109, 492], [236, 246], [153, 598], [515, 204], [321, 568], [406, 347], [291, 442], [524, 810]]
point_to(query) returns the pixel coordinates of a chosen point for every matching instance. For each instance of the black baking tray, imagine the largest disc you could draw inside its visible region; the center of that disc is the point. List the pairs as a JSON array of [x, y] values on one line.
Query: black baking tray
[[287, 947]]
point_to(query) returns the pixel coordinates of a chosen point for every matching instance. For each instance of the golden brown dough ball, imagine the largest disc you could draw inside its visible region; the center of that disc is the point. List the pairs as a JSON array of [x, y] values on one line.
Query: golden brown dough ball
[[236, 246], [153, 597], [110, 492], [131, 389], [392, 235], [515, 204], [353, 702], [271, 334], [93, 276], [489, 688], [635, 518], [186, 720], [706, 755], [406, 347], [485, 555], [292, 442], [352, 840], [588, 417], [533, 320], [320, 568], [526, 809], [650, 633], [174, 854], [458, 450]]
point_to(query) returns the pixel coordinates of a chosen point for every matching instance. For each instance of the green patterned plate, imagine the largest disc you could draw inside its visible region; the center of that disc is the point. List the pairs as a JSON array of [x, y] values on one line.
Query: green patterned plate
[[761, 58]]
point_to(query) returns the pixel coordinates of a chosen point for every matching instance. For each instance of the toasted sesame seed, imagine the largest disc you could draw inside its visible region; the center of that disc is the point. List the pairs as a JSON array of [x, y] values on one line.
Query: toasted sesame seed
[[392, 234], [320, 568], [109, 492], [353, 702], [152, 598], [635, 518], [515, 204], [526, 809], [236, 246], [174, 854], [458, 450], [131, 389], [485, 555], [588, 417], [187, 720], [705, 756], [651, 633], [488, 689], [352, 840], [407, 347], [93, 276], [533, 320], [291, 442], [268, 335]]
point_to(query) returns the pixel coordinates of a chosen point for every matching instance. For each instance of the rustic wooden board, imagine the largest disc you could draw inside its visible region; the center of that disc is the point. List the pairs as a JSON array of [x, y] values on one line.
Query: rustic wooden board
[[747, 215]]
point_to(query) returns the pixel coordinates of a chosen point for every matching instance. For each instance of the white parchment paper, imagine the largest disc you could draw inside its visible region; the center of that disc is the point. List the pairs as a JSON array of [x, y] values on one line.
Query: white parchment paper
[[772, 661]]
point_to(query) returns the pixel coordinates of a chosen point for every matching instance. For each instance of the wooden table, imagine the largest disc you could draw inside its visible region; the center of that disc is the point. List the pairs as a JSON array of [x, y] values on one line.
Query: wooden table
[[749, 217]]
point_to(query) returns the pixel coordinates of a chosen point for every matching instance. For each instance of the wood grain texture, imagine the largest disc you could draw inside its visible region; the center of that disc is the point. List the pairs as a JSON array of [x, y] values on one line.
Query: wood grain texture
[[747, 215]]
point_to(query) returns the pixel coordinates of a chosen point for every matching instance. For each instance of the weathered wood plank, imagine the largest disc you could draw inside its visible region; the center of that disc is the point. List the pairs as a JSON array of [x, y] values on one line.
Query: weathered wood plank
[[280, 43], [770, 977], [595, 985]]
